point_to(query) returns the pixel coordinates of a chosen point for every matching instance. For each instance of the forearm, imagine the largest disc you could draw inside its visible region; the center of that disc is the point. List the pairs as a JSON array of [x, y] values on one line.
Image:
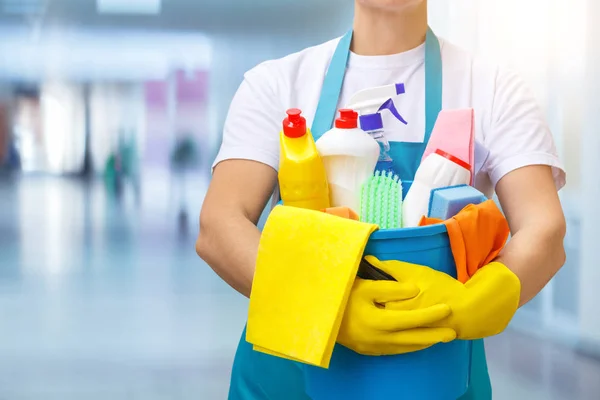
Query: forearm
[[535, 255], [230, 247]]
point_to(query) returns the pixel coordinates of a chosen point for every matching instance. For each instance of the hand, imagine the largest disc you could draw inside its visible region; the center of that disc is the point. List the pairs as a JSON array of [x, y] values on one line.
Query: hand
[[370, 328], [482, 307]]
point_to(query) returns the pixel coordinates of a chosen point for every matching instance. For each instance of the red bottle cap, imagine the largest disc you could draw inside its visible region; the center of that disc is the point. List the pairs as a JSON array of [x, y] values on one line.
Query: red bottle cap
[[294, 126], [348, 119], [454, 159]]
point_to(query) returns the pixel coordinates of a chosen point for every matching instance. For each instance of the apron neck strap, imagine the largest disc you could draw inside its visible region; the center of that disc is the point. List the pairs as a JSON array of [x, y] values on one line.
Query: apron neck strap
[[334, 80], [332, 87], [433, 83]]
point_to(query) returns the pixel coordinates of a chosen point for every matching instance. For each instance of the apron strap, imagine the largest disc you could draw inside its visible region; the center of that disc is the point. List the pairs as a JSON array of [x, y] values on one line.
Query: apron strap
[[332, 87], [433, 84], [407, 156]]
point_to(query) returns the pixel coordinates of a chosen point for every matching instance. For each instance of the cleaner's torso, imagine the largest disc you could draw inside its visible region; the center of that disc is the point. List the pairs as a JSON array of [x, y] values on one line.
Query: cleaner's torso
[[468, 83]]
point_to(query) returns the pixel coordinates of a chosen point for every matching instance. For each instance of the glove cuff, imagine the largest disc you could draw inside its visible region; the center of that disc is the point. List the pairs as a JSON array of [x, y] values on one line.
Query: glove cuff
[[497, 290]]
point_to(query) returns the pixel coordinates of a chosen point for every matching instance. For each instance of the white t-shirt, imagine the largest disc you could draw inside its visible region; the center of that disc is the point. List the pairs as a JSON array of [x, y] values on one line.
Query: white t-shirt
[[508, 121]]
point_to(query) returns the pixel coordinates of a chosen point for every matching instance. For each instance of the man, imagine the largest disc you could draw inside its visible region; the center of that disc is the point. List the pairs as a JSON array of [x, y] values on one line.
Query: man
[[387, 47]]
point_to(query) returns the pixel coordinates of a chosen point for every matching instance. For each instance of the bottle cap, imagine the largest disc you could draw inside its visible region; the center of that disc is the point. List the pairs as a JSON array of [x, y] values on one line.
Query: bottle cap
[[454, 159], [294, 126], [348, 119], [371, 122]]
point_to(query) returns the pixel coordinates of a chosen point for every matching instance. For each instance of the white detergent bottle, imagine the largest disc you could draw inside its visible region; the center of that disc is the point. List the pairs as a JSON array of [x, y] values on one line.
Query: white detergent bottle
[[438, 170], [349, 155]]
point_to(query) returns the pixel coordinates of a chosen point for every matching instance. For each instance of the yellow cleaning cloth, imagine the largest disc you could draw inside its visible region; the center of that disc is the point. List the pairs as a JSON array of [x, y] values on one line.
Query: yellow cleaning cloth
[[307, 262]]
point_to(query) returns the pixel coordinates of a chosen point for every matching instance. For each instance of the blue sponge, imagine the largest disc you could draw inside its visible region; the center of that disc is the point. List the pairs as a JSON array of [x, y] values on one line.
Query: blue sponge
[[446, 202]]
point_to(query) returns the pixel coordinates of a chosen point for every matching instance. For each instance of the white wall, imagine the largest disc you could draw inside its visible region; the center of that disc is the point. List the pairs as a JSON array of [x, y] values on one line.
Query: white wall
[[552, 44], [589, 296], [63, 124]]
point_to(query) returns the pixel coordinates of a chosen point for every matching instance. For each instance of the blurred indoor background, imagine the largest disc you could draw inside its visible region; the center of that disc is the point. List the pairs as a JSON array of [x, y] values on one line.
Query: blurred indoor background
[[110, 116]]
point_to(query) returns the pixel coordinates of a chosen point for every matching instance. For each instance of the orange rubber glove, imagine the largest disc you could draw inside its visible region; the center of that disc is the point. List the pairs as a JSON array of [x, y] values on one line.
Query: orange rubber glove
[[477, 235]]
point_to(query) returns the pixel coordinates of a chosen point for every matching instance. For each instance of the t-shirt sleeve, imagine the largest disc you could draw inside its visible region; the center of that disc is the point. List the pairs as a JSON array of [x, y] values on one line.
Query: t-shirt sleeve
[[519, 135], [252, 126]]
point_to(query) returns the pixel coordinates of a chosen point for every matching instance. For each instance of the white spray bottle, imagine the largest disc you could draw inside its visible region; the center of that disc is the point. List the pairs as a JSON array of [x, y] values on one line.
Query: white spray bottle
[[369, 103]]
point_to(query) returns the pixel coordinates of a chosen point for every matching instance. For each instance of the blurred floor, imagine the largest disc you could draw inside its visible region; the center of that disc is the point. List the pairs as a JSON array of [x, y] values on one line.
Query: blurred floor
[[99, 300], [526, 368]]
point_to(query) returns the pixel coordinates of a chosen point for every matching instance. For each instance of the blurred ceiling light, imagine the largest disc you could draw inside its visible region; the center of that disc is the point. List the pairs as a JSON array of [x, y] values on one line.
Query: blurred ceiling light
[[128, 6], [23, 7]]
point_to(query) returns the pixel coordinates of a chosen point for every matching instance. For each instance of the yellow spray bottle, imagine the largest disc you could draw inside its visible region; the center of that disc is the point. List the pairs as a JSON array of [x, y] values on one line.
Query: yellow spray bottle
[[302, 176]]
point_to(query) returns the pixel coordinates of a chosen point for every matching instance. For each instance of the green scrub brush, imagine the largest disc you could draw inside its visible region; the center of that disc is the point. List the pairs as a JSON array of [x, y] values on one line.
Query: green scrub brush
[[381, 200]]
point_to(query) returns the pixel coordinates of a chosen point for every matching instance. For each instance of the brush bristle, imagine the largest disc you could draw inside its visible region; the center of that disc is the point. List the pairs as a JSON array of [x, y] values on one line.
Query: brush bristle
[[380, 201]]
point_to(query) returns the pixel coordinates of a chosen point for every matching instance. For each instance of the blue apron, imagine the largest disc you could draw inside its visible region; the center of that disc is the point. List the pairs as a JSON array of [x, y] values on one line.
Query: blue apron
[[257, 376]]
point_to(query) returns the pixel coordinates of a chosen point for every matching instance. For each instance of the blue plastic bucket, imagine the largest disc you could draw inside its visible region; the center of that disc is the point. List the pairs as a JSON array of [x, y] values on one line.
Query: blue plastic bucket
[[440, 372]]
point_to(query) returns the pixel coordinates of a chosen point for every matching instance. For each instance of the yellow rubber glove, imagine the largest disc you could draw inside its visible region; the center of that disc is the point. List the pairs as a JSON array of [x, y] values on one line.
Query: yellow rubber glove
[[482, 307], [369, 328]]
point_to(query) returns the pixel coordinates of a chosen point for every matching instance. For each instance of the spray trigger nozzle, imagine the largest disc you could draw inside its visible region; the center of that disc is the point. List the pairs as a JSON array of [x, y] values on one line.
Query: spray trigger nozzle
[[389, 105]]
